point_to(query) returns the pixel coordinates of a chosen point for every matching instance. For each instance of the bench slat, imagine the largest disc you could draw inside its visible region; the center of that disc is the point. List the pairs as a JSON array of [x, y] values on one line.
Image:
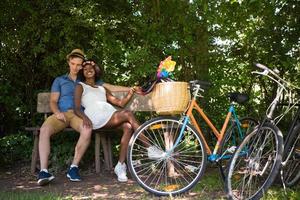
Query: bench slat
[[136, 103]]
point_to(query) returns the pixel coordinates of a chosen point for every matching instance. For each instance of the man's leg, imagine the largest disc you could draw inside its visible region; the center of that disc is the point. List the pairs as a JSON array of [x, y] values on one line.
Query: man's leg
[[50, 126], [46, 132], [81, 146]]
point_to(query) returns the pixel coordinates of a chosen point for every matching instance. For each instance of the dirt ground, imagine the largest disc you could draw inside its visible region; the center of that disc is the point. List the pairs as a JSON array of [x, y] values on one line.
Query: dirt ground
[[93, 186]]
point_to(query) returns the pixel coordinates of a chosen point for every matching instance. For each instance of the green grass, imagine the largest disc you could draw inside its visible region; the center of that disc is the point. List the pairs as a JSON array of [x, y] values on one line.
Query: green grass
[[29, 196], [278, 193], [211, 186]]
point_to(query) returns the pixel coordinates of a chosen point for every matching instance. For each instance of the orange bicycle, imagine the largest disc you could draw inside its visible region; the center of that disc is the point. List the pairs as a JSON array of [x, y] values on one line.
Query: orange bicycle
[[168, 155]]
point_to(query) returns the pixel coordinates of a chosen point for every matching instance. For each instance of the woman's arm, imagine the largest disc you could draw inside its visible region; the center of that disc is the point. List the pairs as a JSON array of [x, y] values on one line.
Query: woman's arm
[[119, 102], [116, 88], [77, 102]]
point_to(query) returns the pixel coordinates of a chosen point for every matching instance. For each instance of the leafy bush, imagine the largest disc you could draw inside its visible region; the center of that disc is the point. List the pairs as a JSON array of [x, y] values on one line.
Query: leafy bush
[[16, 147]]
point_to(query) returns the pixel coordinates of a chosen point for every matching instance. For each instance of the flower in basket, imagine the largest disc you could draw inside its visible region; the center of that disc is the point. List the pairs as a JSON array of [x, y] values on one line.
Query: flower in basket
[[165, 68]]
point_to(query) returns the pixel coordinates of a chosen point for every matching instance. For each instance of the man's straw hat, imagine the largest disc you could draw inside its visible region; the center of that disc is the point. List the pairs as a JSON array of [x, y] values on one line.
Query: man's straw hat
[[76, 53]]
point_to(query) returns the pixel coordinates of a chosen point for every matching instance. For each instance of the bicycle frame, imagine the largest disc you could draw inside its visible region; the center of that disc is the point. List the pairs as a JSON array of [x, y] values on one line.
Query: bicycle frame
[[213, 155], [263, 155], [295, 121]]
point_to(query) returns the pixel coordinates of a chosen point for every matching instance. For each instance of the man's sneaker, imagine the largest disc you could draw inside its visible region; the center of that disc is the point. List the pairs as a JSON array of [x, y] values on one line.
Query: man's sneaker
[[154, 153], [73, 174], [120, 171], [44, 178]]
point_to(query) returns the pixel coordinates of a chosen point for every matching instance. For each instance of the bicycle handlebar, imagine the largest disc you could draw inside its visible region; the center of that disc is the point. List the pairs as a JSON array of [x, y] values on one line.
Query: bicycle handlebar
[[197, 86], [283, 85], [267, 70], [204, 84], [261, 66], [278, 79]]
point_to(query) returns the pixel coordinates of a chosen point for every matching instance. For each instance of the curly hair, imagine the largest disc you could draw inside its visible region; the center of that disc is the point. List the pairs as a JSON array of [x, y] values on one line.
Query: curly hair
[[98, 70]]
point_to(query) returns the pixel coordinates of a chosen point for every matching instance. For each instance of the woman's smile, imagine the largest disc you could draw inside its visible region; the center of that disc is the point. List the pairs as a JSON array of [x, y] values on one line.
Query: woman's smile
[[88, 71]]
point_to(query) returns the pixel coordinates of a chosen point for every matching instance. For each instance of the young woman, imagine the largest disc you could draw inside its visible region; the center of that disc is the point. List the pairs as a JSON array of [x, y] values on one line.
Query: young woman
[[99, 113]]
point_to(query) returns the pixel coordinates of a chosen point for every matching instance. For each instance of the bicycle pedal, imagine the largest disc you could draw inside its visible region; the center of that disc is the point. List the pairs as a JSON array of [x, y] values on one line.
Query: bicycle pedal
[[191, 168]]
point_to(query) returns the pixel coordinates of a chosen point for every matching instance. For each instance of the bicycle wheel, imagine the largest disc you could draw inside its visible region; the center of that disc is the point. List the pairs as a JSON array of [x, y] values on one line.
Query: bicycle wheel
[[255, 163], [232, 139], [166, 173], [291, 169]]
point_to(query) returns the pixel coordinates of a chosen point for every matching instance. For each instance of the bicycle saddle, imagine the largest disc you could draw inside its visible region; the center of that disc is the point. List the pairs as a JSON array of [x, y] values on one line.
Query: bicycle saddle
[[238, 97]]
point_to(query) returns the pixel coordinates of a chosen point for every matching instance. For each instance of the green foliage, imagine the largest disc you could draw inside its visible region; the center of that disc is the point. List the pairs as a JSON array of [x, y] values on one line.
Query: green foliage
[[210, 40], [15, 148]]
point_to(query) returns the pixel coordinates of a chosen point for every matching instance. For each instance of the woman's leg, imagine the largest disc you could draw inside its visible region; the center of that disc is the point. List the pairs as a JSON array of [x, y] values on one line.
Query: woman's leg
[[127, 132], [129, 124], [127, 121], [120, 117]]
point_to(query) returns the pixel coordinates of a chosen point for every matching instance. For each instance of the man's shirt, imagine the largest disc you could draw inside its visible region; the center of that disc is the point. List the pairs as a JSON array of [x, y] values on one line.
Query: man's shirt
[[66, 88]]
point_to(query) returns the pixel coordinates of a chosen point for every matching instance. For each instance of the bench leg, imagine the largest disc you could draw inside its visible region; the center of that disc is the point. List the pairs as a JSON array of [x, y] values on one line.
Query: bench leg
[[97, 152], [35, 152], [109, 148], [105, 151]]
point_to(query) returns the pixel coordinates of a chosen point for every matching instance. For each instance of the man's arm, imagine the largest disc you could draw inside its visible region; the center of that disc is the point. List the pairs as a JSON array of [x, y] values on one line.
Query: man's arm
[[54, 96]]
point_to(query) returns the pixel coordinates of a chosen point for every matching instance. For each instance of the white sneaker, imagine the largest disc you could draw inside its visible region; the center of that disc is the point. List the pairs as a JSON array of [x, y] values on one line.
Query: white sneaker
[[120, 171], [154, 153]]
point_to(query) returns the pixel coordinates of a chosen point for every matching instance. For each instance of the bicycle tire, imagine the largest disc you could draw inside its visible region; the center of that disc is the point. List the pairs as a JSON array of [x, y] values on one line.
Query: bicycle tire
[[168, 175], [258, 166], [291, 170], [231, 141]]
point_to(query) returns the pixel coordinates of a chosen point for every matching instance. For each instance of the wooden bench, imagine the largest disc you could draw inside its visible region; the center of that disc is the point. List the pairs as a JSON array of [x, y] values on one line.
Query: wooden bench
[[137, 103]]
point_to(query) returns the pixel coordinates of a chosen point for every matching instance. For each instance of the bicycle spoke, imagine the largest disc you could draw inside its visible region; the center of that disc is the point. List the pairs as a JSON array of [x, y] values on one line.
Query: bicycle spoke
[[177, 170]]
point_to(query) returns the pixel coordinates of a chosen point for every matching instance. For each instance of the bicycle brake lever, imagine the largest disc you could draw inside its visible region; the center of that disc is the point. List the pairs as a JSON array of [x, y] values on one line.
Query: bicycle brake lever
[[276, 71], [265, 72]]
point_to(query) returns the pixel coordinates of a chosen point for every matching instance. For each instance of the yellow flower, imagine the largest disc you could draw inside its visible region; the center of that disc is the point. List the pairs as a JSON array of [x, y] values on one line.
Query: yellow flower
[[169, 65]]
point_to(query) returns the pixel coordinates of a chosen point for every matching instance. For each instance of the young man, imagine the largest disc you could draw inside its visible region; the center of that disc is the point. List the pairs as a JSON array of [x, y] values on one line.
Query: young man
[[62, 105]]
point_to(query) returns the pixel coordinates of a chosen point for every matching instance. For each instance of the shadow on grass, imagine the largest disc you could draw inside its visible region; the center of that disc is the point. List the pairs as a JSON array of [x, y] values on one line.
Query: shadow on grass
[[16, 186]]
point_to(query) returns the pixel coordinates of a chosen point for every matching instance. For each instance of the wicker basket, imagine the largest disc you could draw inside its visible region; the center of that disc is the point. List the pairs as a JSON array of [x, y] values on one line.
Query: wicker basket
[[170, 98]]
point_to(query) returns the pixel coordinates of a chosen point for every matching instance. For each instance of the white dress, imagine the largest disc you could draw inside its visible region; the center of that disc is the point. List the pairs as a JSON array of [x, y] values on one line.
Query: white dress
[[98, 110]]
